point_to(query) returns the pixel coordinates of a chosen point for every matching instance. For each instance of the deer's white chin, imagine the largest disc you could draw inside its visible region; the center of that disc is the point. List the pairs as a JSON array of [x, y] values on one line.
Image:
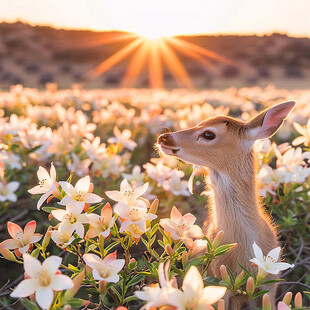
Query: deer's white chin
[[169, 150]]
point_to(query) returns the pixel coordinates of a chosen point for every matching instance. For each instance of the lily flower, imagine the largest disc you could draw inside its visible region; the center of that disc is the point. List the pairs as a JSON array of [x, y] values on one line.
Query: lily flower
[[47, 185], [106, 269], [123, 138], [157, 295], [100, 224], [127, 194], [7, 191], [73, 216], [63, 235], [268, 264], [80, 194], [193, 295], [21, 240], [42, 279], [305, 134], [181, 227]]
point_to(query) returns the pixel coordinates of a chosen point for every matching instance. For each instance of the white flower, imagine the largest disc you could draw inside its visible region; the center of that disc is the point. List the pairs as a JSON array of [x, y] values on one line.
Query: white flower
[[7, 191], [136, 177], [123, 138], [72, 215], [268, 264], [305, 134], [47, 185], [106, 269], [127, 194], [63, 235], [94, 149], [43, 280], [194, 296], [10, 159], [176, 186], [100, 224], [158, 295], [80, 167], [78, 195], [181, 227]]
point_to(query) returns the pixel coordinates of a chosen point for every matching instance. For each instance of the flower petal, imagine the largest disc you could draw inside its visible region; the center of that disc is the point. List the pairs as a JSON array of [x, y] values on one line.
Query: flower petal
[[44, 297], [175, 215], [125, 186], [10, 244], [212, 294], [51, 264], [192, 283], [15, 231], [274, 254], [25, 288], [115, 195], [61, 282], [106, 212], [59, 214], [139, 191], [67, 187], [92, 260], [83, 184], [53, 172], [32, 266], [29, 230], [92, 198], [258, 252]]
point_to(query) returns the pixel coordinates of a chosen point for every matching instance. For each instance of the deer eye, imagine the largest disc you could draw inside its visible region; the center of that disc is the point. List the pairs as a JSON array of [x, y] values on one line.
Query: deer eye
[[209, 135]]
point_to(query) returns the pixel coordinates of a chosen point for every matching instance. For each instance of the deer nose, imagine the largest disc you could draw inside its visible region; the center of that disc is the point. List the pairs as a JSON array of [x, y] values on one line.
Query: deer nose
[[165, 138]]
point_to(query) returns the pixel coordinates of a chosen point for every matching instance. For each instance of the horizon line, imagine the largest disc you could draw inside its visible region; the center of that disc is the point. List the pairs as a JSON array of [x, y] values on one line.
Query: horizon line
[[68, 28]]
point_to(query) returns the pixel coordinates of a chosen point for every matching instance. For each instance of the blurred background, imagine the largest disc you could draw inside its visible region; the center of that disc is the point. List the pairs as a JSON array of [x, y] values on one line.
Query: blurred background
[[182, 44]]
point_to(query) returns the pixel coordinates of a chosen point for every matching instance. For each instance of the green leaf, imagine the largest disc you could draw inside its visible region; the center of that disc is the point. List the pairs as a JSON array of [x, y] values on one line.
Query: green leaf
[[112, 245], [49, 209], [115, 291], [76, 302], [29, 305], [246, 271], [154, 229], [130, 298], [195, 262], [135, 280], [35, 253], [223, 249], [161, 243], [307, 294], [260, 293]]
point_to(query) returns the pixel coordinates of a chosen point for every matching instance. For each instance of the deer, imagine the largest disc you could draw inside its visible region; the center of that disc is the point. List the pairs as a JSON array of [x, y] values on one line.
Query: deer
[[223, 146]]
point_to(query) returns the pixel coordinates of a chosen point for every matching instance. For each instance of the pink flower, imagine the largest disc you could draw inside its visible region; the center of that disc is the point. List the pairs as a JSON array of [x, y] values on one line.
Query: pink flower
[[106, 269], [181, 227], [100, 224], [21, 240]]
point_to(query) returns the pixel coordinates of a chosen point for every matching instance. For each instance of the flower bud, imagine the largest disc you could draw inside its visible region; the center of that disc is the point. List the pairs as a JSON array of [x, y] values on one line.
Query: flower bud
[[221, 305], [47, 238], [298, 300], [287, 298], [239, 278], [218, 239], [154, 206], [67, 307], [169, 250], [250, 287], [102, 286], [224, 274], [7, 254], [184, 259], [132, 264], [266, 302], [77, 281]]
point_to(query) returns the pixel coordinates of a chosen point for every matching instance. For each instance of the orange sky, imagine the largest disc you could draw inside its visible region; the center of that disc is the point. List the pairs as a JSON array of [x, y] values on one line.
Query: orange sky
[[166, 17]]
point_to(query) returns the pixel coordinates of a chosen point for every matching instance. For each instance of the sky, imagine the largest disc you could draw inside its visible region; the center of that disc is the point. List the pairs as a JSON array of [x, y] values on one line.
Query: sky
[[156, 18]]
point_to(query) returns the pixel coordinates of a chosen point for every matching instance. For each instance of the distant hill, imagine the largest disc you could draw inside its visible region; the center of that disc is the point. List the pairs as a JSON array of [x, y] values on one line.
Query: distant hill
[[35, 55]]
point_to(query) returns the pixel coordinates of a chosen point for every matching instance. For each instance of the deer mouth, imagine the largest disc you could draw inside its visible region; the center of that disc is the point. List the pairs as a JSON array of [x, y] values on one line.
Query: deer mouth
[[169, 150]]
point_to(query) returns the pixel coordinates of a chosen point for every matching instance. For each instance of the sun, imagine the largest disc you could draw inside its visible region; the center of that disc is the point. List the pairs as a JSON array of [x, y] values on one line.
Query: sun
[[153, 49]]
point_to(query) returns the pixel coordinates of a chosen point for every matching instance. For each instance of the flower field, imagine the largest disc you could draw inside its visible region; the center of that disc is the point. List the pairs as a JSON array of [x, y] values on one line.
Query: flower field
[[91, 217]]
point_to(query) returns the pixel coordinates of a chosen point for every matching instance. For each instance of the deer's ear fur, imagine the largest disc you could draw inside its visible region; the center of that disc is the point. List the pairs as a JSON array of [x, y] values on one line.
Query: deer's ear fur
[[267, 123]]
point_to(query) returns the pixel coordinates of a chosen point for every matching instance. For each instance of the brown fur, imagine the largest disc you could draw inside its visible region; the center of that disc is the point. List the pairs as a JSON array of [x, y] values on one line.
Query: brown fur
[[235, 208]]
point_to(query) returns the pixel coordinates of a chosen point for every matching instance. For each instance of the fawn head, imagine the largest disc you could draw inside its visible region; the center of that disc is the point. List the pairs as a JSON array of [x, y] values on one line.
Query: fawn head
[[221, 140]]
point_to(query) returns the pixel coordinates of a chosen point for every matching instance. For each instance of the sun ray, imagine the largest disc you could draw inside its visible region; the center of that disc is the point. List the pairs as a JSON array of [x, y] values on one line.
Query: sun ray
[[135, 66], [109, 39], [113, 60], [205, 52], [174, 64], [178, 44], [155, 65]]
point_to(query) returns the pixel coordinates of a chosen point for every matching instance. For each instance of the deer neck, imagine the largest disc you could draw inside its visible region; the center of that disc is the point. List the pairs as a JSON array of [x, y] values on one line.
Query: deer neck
[[235, 206]]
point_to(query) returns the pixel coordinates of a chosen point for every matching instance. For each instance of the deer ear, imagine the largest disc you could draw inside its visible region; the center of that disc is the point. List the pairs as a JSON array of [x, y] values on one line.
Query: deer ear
[[267, 123]]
